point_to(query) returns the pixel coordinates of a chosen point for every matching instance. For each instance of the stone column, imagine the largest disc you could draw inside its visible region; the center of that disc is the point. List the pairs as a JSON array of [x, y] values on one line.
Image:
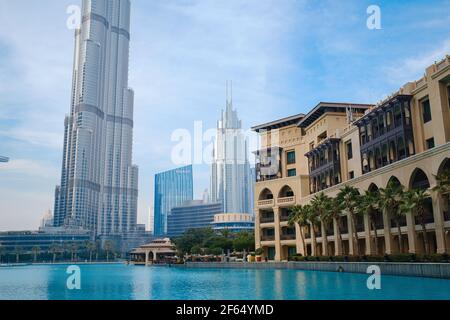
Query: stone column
[[368, 236], [337, 239], [276, 212], [155, 256], [146, 258], [257, 229], [387, 233], [438, 212], [324, 240], [412, 234]]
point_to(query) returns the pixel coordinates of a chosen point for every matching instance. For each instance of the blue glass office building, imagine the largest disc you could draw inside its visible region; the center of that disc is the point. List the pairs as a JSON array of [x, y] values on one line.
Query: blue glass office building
[[172, 189]]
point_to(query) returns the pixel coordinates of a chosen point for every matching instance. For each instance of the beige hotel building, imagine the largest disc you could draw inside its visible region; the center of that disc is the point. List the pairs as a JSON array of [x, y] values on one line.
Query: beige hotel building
[[405, 138]]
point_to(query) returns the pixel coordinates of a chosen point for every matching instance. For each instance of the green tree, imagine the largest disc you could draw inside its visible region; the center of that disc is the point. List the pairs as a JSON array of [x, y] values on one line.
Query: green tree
[[18, 251], [108, 247], [299, 216], [244, 241], [322, 203], [314, 221], [391, 199], [443, 183], [193, 237], [2, 252], [336, 214], [368, 205], [349, 197], [54, 249], [414, 201], [90, 247], [36, 250], [196, 249]]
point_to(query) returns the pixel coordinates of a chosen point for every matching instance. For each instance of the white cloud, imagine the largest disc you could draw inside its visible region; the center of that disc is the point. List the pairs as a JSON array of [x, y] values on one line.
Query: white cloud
[[25, 167], [413, 68]]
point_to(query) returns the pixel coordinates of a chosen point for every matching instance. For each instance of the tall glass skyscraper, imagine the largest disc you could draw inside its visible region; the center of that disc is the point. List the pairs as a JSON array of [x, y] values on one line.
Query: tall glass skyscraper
[[231, 176], [172, 189], [99, 185]]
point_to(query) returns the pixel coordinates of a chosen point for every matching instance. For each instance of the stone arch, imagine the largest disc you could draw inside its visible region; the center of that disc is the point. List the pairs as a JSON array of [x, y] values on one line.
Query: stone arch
[[395, 180], [419, 180], [373, 187], [266, 194], [286, 191], [445, 166]]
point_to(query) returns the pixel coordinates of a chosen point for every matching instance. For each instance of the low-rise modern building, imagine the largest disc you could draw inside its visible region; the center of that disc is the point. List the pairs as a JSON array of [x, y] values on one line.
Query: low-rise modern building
[[191, 215], [404, 139], [43, 239], [233, 222]]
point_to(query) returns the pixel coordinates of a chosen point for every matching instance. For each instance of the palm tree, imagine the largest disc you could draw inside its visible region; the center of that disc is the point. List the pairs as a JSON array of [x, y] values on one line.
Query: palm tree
[[321, 204], [2, 252], [54, 249], [349, 197], [335, 214], [108, 247], [368, 204], [415, 201], [391, 198], [314, 220], [443, 182], [73, 247], [18, 251], [443, 186], [36, 250], [299, 216], [90, 247]]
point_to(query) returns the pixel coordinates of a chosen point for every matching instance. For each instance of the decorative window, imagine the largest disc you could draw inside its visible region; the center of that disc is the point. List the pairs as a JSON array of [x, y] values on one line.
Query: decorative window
[[426, 111], [291, 157]]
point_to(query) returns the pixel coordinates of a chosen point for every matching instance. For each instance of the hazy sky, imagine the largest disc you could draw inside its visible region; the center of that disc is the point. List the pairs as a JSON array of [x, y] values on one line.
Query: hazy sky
[[284, 56]]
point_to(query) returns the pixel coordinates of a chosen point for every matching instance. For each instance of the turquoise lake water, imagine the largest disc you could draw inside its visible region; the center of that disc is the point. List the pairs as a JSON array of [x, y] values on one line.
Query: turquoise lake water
[[121, 282]]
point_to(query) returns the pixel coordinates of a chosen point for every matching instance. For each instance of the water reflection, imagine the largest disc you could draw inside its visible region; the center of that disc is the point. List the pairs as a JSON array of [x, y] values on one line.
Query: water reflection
[[119, 282]]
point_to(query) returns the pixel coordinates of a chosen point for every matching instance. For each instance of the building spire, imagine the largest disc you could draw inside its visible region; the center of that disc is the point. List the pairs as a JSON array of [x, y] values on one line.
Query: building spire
[[229, 93]]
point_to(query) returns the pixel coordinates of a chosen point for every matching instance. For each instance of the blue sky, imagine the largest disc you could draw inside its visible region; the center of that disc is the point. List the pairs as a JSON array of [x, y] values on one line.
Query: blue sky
[[284, 56]]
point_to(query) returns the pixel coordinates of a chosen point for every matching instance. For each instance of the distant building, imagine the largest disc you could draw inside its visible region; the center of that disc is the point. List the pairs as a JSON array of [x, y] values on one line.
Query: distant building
[[233, 222], [231, 177], [47, 220], [99, 183], [4, 159], [172, 189], [44, 239], [157, 251], [192, 215]]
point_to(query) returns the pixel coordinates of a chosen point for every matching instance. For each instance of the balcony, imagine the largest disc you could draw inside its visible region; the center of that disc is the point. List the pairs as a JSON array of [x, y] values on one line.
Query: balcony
[[266, 203], [268, 238], [286, 201], [287, 237], [268, 219]]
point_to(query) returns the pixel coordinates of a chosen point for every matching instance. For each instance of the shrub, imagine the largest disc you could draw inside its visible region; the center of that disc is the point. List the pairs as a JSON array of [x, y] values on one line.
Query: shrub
[[375, 259], [404, 257]]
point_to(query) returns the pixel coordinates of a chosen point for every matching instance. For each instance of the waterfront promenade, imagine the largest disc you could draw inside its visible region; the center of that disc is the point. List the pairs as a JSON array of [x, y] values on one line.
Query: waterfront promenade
[[428, 270]]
